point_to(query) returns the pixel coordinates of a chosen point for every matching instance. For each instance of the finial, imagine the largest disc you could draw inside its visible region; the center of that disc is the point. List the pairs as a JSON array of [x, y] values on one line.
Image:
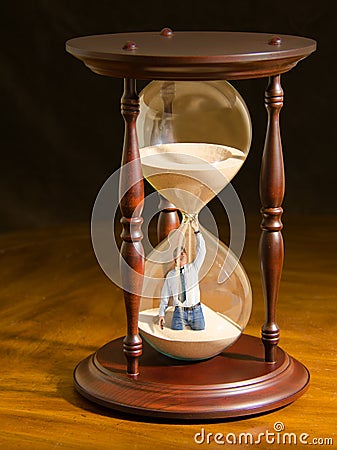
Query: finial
[[167, 32], [276, 40], [130, 45]]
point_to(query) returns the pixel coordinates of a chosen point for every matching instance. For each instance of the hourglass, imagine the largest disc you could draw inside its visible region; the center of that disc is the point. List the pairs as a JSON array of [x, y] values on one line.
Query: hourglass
[[190, 298], [199, 135]]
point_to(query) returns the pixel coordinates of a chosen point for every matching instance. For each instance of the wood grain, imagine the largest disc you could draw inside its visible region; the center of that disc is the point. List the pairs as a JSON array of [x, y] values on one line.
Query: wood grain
[[168, 219], [192, 55], [57, 307], [236, 383], [131, 192], [272, 186]]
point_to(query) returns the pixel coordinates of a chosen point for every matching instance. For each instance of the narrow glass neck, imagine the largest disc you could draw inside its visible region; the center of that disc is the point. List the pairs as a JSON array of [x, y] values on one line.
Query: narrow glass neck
[[188, 227], [187, 218]]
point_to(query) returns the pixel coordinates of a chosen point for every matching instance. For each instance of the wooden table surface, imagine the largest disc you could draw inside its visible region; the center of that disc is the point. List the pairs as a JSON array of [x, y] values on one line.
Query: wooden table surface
[[57, 307]]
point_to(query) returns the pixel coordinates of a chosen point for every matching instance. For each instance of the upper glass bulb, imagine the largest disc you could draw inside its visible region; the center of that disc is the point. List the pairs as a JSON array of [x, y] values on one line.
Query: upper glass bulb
[[211, 112], [193, 138]]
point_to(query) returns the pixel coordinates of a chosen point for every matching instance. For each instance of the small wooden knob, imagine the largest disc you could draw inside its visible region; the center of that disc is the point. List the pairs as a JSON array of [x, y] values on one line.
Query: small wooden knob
[[167, 32], [276, 40], [130, 45]]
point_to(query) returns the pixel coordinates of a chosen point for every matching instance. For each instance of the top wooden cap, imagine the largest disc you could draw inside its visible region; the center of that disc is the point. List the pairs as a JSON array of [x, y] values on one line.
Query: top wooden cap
[[169, 55]]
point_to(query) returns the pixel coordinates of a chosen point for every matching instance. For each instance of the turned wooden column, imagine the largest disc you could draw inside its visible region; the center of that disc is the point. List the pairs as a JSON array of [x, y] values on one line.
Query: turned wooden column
[[131, 205], [271, 194]]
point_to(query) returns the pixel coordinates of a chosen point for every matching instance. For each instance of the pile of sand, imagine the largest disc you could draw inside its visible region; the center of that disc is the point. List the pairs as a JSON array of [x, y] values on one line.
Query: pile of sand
[[219, 333]]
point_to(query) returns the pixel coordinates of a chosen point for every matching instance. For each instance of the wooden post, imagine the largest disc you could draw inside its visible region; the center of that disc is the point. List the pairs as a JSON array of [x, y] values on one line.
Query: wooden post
[[131, 205], [168, 219], [271, 194]]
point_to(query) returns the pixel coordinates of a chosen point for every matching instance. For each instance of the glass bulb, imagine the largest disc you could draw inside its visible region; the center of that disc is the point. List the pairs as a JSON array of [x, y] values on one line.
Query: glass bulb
[[225, 296], [210, 112], [194, 137]]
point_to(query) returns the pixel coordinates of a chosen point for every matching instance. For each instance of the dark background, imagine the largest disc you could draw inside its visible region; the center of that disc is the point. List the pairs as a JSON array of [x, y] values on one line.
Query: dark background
[[61, 130]]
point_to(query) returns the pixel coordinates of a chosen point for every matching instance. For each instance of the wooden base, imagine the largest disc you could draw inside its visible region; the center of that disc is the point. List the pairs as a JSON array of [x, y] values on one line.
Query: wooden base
[[233, 384]]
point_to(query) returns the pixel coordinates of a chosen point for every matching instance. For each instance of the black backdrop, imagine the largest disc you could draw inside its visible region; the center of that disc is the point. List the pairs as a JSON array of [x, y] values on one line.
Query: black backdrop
[[61, 130]]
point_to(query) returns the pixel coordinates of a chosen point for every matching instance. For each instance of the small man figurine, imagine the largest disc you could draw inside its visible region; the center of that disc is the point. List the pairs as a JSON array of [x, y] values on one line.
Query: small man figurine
[[182, 283]]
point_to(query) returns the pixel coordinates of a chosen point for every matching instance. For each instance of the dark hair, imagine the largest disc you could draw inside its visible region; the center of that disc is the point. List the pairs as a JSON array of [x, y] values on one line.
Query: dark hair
[[177, 251]]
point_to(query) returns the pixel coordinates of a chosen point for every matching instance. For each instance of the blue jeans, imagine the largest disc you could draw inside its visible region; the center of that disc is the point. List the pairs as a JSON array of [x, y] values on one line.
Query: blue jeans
[[191, 317]]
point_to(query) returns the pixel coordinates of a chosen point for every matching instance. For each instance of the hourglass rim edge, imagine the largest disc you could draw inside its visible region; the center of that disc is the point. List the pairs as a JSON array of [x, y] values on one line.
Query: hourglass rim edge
[[139, 395]]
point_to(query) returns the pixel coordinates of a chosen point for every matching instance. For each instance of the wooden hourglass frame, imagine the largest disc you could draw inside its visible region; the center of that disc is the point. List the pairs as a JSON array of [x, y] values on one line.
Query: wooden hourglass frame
[[254, 375]]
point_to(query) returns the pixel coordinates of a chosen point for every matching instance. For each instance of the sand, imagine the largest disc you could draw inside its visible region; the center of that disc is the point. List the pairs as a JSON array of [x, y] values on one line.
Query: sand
[[219, 333], [190, 174]]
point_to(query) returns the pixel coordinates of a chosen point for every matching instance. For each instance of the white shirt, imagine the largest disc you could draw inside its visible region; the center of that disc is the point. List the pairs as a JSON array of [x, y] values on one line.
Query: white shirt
[[172, 284]]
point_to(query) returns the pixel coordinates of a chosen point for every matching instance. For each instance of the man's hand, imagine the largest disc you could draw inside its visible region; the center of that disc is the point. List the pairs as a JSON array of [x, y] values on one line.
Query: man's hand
[[195, 225], [161, 322]]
